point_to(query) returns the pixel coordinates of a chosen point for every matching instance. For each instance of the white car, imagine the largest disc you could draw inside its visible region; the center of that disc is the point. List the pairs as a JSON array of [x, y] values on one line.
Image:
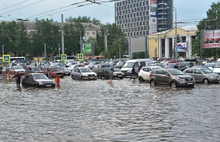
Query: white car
[[216, 68], [144, 73], [17, 69]]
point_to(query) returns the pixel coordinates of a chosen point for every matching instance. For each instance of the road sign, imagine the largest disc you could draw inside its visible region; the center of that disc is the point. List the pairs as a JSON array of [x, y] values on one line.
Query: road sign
[[63, 57], [80, 57], [6, 58]]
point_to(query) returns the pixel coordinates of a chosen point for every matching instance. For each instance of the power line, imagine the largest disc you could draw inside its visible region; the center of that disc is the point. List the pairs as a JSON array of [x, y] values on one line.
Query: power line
[[23, 7], [14, 5]]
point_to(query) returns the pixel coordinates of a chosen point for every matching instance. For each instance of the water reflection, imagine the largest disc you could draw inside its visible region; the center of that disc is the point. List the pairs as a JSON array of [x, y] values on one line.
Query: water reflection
[[96, 111]]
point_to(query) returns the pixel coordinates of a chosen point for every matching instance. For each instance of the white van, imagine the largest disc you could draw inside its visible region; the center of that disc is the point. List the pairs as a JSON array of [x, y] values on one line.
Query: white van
[[126, 69]]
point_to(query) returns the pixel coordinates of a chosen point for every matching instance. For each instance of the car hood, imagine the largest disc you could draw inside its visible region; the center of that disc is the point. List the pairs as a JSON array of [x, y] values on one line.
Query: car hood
[[184, 76], [43, 80]]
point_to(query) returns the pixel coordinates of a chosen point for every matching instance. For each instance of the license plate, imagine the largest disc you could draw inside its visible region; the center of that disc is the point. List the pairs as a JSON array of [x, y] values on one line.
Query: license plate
[[91, 77], [119, 75], [190, 83], [48, 85]]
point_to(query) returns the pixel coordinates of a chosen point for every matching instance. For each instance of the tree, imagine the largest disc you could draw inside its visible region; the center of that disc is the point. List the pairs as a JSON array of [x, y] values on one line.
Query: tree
[[210, 23]]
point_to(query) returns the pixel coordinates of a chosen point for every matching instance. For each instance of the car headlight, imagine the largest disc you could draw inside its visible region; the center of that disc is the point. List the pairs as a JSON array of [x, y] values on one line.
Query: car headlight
[[40, 83], [84, 74], [211, 77], [180, 78]]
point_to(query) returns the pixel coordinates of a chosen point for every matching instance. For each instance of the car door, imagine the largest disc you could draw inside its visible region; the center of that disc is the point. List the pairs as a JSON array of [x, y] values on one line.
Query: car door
[[101, 72], [198, 76], [165, 77], [189, 72]]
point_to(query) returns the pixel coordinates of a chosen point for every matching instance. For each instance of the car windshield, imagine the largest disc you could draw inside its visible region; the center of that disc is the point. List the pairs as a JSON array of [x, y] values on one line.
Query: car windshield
[[206, 71], [85, 70], [128, 65], [155, 68], [176, 72], [35, 69], [217, 65], [18, 67], [116, 70], [40, 76]]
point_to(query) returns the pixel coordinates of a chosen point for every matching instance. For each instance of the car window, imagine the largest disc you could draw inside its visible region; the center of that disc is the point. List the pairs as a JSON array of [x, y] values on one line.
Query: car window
[[146, 69], [136, 64], [197, 71], [142, 63], [176, 72], [159, 72], [189, 71], [206, 71]]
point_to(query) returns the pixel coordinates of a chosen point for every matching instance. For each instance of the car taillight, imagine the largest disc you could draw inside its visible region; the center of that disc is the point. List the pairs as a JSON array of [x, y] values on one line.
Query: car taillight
[[151, 74]]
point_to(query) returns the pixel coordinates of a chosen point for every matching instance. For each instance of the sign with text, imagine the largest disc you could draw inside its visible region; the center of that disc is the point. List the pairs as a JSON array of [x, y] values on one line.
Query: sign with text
[[87, 48], [211, 39]]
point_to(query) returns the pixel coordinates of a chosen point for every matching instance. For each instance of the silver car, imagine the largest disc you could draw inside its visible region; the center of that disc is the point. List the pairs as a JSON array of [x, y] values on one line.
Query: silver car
[[172, 77], [203, 75]]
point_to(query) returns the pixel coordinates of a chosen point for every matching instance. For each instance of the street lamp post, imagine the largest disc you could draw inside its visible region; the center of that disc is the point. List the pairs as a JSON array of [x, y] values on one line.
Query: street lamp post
[[175, 45]]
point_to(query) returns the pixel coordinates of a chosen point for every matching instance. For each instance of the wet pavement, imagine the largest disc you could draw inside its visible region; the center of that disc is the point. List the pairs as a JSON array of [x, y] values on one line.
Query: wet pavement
[[81, 111]]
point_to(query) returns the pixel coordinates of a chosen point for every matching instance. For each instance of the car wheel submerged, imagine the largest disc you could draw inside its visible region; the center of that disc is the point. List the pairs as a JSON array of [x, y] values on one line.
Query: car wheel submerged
[[206, 81], [153, 83], [173, 84], [141, 79]]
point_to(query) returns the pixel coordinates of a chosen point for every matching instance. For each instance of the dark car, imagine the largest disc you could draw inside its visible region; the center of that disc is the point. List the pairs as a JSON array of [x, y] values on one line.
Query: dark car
[[181, 66], [172, 77], [37, 80], [104, 72]]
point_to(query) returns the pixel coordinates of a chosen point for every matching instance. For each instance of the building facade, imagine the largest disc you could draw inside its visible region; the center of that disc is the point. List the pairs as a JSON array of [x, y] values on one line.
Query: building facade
[[139, 18], [162, 44]]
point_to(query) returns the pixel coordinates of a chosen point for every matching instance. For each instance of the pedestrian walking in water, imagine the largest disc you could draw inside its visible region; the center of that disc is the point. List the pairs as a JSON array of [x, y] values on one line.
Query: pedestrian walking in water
[[18, 78], [110, 75], [133, 73]]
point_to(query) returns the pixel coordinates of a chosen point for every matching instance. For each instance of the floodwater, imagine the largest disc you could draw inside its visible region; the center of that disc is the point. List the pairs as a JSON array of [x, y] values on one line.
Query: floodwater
[[126, 111]]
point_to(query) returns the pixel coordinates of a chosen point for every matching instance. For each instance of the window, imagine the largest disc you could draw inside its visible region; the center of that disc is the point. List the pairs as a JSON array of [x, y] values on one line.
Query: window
[[197, 71]]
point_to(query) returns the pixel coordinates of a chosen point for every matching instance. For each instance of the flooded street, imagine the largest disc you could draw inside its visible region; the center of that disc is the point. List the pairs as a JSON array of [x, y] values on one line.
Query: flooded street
[[81, 111]]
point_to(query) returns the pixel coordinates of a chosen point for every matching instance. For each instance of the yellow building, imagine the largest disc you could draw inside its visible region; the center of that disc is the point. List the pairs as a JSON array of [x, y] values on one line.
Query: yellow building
[[162, 44]]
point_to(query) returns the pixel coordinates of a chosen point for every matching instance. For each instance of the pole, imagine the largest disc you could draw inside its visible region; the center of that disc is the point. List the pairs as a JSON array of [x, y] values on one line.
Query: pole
[[45, 51], [62, 34], [175, 45], [80, 41], [3, 49], [59, 48]]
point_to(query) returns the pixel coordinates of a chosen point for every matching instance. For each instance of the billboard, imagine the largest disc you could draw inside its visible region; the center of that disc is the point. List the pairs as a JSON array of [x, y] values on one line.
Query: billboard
[[211, 39], [181, 47], [87, 48], [153, 16]]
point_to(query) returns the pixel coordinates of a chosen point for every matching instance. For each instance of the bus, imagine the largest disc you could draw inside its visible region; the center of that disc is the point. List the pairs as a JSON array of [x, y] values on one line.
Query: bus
[[68, 57], [19, 59]]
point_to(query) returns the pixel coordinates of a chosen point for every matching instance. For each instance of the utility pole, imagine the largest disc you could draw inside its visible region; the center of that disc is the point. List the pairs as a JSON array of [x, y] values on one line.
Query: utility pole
[[62, 34], [45, 51], [3, 49]]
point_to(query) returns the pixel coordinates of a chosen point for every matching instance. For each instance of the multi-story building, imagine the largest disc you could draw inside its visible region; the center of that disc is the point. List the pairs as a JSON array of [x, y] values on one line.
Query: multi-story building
[[139, 18]]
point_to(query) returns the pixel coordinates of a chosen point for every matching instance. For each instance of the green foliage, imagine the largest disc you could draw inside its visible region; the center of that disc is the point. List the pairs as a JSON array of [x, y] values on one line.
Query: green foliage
[[17, 40], [210, 23]]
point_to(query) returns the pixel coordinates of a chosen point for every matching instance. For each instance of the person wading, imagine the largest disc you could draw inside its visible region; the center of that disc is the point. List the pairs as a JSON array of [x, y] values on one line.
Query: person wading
[[18, 78]]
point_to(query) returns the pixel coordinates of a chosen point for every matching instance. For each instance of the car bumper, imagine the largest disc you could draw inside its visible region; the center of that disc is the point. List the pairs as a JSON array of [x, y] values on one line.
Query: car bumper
[[90, 77], [183, 83]]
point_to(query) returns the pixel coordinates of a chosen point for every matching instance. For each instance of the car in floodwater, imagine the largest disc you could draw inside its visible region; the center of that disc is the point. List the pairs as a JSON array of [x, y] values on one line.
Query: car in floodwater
[[172, 77], [203, 75], [104, 72], [37, 80], [83, 74], [144, 73]]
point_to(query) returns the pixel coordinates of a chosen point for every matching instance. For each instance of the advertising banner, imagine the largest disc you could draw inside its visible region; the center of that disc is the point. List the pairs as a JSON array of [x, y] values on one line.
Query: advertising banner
[[211, 39], [153, 16], [87, 48], [181, 47]]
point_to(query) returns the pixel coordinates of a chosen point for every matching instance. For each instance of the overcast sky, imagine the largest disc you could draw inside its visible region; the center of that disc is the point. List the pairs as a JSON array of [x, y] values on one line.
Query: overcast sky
[[188, 11]]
